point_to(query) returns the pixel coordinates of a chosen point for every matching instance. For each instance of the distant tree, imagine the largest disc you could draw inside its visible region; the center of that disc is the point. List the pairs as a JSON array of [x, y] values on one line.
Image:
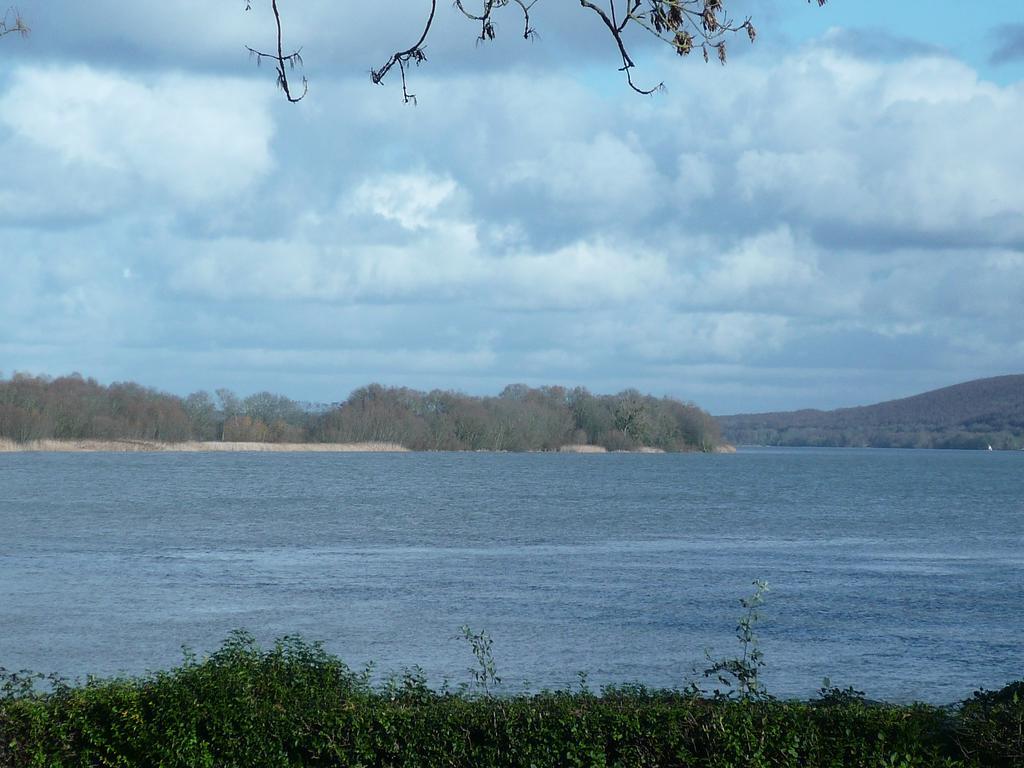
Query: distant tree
[[522, 418], [229, 405], [269, 408], [515, 392], [75, 408], [245, 429], [202, 413], [632, 417], [592, 416]]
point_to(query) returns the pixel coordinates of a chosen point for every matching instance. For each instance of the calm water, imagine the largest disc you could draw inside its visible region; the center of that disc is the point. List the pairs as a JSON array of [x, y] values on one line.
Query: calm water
[[898, 572]]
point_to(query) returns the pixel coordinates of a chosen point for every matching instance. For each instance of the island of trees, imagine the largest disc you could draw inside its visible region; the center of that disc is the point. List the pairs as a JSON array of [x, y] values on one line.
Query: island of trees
[[520, 418], [973, 415]]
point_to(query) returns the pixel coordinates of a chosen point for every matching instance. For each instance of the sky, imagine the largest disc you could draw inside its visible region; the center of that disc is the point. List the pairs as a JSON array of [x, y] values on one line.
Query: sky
[[834, 218]]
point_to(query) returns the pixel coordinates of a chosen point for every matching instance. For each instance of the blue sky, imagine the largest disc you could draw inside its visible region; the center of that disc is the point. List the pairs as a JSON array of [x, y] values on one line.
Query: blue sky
[[834, 218], [947, 25]]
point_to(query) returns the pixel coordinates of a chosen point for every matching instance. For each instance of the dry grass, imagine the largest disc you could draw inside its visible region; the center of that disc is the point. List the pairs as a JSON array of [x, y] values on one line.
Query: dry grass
[[150, 446]]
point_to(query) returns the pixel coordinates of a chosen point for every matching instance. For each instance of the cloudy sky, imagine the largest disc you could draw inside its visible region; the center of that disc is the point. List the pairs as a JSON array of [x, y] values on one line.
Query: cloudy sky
[[834, 218]]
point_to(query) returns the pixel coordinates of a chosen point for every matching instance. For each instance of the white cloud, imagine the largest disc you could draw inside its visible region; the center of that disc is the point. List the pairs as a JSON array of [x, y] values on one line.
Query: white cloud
[[772, 271], [816, 212], [445, 264], [655, 336], [602, 178], [415, 201], [696, 177], [194, 140], [68, 297], [919, 147], [584, 274]]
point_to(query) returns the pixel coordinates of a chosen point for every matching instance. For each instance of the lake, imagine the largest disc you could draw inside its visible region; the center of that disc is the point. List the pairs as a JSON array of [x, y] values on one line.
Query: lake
[[897, 572]]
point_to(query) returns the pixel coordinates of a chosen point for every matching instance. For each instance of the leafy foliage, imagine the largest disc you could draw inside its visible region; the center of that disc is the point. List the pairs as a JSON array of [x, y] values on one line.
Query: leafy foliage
[[485, 674], [991, 726], [741, 675], [296, 705]]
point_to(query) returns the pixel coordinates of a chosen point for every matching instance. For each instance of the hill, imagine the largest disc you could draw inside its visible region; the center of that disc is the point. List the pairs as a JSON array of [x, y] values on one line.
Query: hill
[[974, 414]]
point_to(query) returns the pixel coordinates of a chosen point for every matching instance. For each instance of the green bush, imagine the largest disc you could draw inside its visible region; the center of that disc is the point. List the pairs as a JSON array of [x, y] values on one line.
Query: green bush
[[991, 726], [296, 705]]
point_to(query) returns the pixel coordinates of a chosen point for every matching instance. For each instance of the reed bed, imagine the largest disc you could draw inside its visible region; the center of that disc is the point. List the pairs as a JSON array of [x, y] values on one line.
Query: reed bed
[[153, 446]]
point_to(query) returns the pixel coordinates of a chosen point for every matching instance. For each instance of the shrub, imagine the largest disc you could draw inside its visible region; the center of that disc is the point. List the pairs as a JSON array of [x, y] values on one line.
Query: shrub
[[296, 705], [991, 726]]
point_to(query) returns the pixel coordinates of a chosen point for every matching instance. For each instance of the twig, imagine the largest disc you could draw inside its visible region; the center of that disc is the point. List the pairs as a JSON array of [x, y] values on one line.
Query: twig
[[13, 23], [682, 24], [402, 58], [281, 61], [616, 31]]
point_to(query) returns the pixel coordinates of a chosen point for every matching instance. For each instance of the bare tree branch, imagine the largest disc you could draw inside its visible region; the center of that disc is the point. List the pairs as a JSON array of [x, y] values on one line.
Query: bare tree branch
[[281, 61], [413, 54], [616, 31], [487, 30], [12, 23], [681, 24]]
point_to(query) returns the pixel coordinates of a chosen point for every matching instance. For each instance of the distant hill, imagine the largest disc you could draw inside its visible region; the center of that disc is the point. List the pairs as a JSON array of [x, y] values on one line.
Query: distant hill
[[974, 414]]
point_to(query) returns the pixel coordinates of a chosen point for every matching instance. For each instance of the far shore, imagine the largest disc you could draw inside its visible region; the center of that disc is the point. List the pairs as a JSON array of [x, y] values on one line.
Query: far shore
[[153, 446], [195, 446]]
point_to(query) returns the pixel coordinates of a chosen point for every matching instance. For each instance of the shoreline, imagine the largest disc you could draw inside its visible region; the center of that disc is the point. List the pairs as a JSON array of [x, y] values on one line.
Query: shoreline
[[196, 446], [193, 446]]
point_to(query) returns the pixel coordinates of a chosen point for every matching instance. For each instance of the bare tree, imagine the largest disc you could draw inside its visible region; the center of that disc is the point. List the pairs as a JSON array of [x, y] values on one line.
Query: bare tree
[[683, 25]]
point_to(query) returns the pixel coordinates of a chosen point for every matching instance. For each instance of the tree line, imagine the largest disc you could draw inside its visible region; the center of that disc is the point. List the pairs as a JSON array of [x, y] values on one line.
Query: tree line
[[520, 418], [880, 437]]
